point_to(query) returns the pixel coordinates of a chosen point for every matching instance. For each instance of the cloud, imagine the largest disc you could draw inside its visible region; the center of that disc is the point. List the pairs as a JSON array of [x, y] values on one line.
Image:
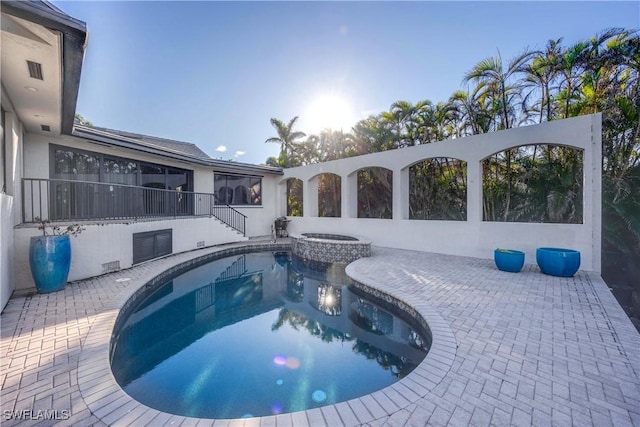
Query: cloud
[[240, 153], [221, 149]]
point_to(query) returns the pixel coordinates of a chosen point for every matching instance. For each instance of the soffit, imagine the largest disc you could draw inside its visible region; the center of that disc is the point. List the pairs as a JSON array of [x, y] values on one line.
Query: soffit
[[24, 41]]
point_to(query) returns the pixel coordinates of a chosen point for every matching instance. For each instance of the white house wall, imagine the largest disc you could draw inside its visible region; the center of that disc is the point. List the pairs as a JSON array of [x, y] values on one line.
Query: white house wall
[[113, 242], [473, 237], [9, 216]]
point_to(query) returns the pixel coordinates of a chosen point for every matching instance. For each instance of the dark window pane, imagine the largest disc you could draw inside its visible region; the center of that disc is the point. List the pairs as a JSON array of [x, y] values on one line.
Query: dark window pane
[[237, 190], [153, 176], [224, 194], [70, 164], [177, 180], [240, 185], [119, 171]]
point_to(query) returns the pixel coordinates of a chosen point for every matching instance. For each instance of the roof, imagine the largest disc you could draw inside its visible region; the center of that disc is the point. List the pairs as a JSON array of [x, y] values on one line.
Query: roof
[[179, 150], [185, 148]]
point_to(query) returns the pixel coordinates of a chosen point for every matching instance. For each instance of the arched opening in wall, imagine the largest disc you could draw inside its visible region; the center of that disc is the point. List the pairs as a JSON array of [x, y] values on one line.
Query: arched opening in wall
[[438, 189], [534, 183], [294, 197], [375, 193], [329, 195]]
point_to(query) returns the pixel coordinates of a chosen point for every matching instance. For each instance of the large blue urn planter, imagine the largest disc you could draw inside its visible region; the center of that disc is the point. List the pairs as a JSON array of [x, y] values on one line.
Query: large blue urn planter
[[50, 260], [558, 261], [508, 260]]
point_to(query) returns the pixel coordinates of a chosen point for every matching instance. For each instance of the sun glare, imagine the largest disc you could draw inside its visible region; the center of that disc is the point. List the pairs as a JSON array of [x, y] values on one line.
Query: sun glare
[[328, 112]]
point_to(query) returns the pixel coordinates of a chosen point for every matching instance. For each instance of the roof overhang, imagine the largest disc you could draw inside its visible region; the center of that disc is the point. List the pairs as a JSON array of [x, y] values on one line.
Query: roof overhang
[[37, 31]]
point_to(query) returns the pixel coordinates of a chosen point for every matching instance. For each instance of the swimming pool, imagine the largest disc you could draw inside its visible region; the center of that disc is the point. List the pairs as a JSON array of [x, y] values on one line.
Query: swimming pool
[[256, 334]]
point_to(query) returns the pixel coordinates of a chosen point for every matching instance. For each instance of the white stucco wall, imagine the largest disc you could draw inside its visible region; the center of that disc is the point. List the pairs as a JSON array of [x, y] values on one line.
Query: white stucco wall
[[109, 242], [6, 244], [9, 201], [473, 237], [101, 244]]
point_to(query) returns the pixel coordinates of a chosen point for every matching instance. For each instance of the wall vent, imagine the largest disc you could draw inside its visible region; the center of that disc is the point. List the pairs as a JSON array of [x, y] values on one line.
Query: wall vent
[[200, 244], [45, 128], [152, 244], [110, 266], [35, 70]]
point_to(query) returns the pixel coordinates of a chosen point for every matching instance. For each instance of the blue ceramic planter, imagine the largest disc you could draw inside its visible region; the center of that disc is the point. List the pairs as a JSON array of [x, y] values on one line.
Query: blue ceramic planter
[[508, 260], [558, 261], [50, 260]]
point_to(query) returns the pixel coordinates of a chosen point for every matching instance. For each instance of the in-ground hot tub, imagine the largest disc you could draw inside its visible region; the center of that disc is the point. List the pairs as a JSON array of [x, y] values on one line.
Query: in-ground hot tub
[[330, 248]]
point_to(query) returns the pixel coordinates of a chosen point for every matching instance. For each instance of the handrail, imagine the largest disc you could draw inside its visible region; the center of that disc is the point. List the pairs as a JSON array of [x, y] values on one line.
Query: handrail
[[71, 200], [230, 216]]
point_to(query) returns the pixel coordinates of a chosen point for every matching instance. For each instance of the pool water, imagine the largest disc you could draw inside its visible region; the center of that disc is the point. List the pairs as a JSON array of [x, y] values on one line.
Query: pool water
[[259, 334]]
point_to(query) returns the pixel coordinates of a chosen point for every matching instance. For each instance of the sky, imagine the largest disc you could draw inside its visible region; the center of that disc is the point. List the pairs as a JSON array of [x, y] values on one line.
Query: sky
[[215, 73]]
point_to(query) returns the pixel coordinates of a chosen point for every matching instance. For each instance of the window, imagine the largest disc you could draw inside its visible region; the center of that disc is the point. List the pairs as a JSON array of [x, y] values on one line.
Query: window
[[86, 199], [78, 165], [238, 190], [120, 171], [75, 165]]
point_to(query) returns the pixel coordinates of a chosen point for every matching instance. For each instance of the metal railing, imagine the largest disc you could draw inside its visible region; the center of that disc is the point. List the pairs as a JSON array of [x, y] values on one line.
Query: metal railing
[[68, 200]]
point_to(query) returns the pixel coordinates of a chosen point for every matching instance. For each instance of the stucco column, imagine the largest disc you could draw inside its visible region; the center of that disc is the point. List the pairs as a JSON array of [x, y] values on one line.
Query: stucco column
[[474, 191], [281, 198], [349, 190], [310, 197], [396, 197], [400, 194]]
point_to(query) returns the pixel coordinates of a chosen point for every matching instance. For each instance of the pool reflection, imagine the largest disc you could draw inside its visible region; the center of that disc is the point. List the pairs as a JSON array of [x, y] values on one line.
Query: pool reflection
[[245, 291]]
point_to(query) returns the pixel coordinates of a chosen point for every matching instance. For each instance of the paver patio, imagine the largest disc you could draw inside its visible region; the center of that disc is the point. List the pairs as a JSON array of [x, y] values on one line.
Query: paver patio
[[509, 349]]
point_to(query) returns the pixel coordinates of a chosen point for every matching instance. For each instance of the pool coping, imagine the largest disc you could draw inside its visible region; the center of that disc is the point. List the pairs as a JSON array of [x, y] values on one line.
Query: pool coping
[[113, 406]]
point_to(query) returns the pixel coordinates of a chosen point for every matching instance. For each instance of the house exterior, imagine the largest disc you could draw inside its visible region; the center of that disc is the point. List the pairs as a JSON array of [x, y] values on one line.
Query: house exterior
[[138, 197]]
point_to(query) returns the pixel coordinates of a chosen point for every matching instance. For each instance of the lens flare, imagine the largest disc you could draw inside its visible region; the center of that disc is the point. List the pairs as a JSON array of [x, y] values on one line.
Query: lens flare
[[293, 363], [319, 396], [280, 360]]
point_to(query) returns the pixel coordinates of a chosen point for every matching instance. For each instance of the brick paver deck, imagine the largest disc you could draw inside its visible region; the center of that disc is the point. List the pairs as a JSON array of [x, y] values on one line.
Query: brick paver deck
[[508, 349]]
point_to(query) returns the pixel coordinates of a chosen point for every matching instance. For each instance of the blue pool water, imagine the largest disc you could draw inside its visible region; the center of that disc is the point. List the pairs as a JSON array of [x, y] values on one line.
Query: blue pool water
[[257, 334]]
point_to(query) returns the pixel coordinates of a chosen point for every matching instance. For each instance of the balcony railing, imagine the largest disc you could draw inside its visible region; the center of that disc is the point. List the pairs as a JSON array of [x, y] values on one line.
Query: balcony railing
[[67, 200]]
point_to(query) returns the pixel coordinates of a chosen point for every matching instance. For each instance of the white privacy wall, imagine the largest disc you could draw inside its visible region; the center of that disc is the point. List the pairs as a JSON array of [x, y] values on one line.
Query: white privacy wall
[[473, 237]]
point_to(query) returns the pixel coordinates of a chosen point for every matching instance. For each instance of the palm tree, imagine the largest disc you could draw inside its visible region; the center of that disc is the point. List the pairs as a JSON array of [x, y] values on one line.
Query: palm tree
[[539, 76], [374, 134], [472, 117], [286, 138], [493, 82]]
